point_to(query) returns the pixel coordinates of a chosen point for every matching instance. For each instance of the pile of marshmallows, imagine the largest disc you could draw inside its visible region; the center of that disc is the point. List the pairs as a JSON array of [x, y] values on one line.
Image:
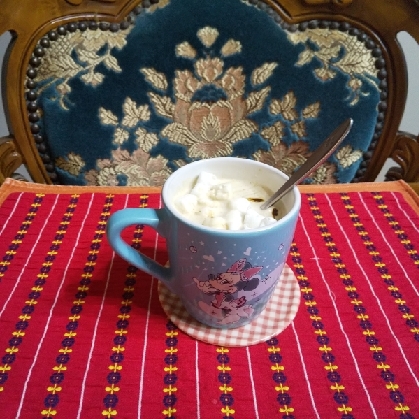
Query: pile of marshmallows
[[215, 203]]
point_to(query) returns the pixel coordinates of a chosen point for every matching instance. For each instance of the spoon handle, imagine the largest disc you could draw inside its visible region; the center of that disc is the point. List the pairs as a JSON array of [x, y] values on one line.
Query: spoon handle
[[326, 148]]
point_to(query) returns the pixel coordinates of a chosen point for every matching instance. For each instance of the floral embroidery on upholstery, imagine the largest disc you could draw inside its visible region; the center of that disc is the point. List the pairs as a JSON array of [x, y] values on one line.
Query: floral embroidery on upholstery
[[72, 164], [337, 50], [287, 159], [134, 169], [286, 107], [207, 36], [207, 108], [78, 54], [210, 112], [347, 156], [124, 168]]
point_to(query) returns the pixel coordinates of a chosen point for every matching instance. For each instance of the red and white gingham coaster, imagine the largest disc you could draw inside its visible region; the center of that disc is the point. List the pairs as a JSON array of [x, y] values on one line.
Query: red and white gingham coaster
[[278, 314]]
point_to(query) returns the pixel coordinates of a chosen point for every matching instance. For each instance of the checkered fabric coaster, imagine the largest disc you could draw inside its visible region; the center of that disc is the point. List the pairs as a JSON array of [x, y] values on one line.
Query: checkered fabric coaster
[[278, 314]]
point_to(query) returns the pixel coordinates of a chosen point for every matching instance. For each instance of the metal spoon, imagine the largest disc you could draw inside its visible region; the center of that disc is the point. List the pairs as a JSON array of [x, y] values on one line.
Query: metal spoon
[[313, 162]]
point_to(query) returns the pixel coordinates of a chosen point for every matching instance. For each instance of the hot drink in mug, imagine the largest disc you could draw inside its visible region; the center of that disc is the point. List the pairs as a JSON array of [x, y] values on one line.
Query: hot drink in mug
[[225, 254], [227, 204]]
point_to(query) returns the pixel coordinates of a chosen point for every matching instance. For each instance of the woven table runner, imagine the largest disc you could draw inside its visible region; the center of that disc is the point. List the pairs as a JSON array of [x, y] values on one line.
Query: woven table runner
[[83, 333]]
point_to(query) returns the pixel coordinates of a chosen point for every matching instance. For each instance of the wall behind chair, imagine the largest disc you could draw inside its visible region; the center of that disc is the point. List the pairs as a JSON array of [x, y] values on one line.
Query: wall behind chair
[[410, 122], [4, 41]]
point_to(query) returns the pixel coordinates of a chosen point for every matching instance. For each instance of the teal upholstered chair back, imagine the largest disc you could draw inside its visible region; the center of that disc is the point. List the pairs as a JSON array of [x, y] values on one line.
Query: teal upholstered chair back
[[128, 103]]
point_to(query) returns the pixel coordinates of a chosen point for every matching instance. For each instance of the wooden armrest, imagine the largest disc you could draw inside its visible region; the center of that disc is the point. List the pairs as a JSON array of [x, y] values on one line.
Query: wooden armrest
[[10, 158], [406, 154]]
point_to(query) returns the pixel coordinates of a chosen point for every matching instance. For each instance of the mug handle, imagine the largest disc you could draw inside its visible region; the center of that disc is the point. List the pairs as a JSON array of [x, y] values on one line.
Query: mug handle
[[121, 219]]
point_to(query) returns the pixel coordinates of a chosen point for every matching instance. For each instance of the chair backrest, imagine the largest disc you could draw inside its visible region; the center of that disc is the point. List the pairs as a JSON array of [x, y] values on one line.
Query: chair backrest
[[123, 92]]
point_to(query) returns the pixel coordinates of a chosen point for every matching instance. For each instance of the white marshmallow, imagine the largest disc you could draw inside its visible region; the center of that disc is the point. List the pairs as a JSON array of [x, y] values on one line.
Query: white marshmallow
[[234, 220], [222, 204], [188, 204], [201, 190], [220, 192], [206, 178], [252, 219], [240, 204]]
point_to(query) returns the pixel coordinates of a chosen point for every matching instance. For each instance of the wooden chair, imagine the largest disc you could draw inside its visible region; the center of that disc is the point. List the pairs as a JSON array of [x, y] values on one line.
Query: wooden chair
[[125, 91]]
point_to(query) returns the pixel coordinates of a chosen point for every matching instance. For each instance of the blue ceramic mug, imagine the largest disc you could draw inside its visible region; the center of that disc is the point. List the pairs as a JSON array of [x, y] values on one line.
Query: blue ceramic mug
[[223, 277]]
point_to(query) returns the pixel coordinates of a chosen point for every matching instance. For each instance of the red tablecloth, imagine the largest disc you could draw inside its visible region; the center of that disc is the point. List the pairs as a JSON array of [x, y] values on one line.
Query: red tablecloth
[[83, 335]]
